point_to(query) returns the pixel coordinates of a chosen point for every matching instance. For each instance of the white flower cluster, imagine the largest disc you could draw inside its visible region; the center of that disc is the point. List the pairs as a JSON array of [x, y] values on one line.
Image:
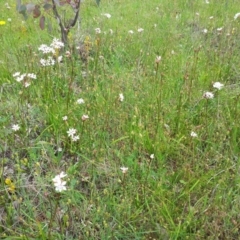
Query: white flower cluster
[[59, 184], [25, 78], [52, 49], [46, 49], [57, 44], [210, 95], [71, 133], [47, 62]]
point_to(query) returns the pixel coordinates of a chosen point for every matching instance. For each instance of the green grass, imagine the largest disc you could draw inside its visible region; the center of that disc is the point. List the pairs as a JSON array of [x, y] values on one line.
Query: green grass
[[189, 190]]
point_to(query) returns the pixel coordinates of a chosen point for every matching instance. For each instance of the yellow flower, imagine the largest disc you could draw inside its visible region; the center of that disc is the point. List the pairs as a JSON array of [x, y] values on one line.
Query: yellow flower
[[10, 184], [2, 23], [12, 188], [8, 181], [87, 43]]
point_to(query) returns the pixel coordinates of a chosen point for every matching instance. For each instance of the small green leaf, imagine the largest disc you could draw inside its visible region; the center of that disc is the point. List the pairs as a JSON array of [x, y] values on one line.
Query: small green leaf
[[47, 6], [22, 9]]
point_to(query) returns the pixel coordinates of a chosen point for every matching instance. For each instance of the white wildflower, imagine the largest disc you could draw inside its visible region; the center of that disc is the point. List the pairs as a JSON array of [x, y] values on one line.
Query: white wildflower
[[57, 44], [130, 32], [107, 15], [205, 30], [121, 97], [193, 134], [158, 59], [140, 30], [71, 132], [152, 156], [16, 74], [68, 54], [50, 61], [124, 169], [218, 85], [208, 95], [15, 127], [59, 59], [236, 16], [47, 62], [75, 138], [64, 118], [80, 101], [26, 84], [32, 75], [43, 62], [46, 49], [20, 78], [59, 183], [85, 117], [97, 30]]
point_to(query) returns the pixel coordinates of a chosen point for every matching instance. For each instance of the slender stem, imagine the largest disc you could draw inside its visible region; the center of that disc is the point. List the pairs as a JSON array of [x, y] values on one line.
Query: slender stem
[[70, 84], [52, 218], [159, 97]]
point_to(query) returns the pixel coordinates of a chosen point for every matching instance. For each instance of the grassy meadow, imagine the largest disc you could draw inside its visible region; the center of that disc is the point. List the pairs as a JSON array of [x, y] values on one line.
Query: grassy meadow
[[131, 132]]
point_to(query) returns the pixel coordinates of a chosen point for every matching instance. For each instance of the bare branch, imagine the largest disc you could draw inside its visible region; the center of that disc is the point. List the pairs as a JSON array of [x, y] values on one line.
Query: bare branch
[[64, 31], [76, 15]]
